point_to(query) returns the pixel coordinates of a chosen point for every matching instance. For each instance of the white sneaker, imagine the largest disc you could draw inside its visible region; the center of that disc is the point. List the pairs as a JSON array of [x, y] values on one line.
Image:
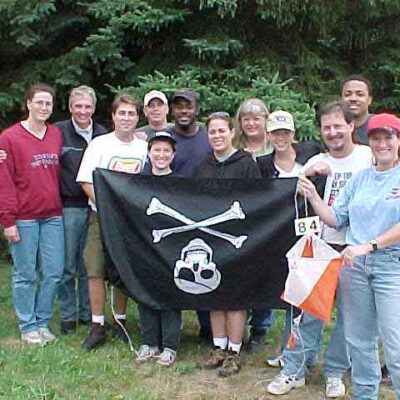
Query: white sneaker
[[33, 337], [334, 388], [283, 384], [167, 357], [46, 335], [277, 362], [145, 353]]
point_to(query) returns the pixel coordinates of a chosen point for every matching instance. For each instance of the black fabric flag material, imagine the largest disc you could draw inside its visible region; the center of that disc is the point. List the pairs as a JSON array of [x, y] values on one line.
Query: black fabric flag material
[[198, 243]]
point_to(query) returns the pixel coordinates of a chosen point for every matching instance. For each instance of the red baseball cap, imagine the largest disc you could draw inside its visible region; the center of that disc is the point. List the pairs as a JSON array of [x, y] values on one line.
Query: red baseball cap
[[384, 122]]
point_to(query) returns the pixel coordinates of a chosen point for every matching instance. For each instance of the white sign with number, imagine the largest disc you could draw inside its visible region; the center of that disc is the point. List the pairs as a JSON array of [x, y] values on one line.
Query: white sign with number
[[307, 226]]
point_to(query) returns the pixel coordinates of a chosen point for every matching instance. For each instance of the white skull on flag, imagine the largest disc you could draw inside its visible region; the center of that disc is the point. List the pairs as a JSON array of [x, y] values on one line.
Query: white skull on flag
[[195, 272]]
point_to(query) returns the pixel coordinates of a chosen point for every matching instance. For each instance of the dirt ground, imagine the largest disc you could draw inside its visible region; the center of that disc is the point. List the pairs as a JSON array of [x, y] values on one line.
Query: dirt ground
[[184, 382]]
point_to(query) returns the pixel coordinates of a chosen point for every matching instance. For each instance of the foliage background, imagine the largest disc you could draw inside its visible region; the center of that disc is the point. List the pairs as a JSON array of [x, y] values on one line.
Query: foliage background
[[290, 53]]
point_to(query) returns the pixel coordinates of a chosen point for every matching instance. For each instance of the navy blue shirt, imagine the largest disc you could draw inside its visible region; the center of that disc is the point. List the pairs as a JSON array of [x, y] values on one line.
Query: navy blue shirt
[[190, 151]]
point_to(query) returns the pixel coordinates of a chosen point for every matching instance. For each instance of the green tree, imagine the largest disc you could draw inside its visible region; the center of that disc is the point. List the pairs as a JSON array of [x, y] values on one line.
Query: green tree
[[292, 53]]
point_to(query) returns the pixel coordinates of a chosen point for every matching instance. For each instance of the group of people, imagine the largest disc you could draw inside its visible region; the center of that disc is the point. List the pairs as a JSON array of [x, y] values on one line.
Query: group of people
[[48, 210]]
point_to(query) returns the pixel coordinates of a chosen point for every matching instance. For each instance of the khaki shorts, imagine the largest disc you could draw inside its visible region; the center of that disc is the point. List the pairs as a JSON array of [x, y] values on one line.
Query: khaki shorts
[[94, 254]]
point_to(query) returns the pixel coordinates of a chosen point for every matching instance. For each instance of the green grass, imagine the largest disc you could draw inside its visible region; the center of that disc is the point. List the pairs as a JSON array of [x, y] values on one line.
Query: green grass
[[62, 370]]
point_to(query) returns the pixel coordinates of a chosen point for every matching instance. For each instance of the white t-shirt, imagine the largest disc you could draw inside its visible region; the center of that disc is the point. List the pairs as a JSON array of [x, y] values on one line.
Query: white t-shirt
[[294, 173], [108, 152], [342, 169]]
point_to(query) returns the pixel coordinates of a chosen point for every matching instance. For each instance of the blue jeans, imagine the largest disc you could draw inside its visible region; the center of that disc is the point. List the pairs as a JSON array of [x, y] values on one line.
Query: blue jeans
[[73, 296], [336, 359], [371, 302], [261, 320], [308, 337], [286, 329], [38, 260]]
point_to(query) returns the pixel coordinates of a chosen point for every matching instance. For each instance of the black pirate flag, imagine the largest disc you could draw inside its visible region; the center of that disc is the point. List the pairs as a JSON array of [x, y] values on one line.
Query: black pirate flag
[[198, 243]]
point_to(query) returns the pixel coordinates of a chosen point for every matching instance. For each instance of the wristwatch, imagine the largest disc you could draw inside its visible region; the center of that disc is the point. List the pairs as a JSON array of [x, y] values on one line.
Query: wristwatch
[[374, 244]]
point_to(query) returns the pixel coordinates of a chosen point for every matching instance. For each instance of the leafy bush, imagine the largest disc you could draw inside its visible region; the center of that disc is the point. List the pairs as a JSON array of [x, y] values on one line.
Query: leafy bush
[[225, 49]]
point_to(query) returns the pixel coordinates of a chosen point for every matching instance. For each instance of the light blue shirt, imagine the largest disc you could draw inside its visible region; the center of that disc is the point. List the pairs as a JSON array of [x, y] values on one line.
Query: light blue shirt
[[86, 133], [369, 205]]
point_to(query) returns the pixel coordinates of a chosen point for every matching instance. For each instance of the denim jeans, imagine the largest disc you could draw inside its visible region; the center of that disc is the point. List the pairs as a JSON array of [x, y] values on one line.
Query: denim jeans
[[73, 293], [286, 329], [336, 358], [38, 260], [308, 337], [371, 307], [204, 319], [260, 320]]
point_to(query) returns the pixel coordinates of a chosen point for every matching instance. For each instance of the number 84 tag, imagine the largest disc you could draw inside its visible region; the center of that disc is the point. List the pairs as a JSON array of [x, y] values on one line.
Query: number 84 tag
[[307, 226]]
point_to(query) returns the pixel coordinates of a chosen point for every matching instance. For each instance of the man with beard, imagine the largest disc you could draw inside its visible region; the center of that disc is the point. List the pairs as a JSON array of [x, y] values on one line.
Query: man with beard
[[357, 93], [343, 159]]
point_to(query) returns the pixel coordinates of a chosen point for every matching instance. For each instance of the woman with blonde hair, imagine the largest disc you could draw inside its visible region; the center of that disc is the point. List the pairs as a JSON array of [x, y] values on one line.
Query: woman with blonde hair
[[251, 119]]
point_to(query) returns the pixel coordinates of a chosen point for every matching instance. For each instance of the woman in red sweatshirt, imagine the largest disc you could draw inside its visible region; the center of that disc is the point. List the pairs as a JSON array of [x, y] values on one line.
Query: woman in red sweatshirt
[[30, 210]]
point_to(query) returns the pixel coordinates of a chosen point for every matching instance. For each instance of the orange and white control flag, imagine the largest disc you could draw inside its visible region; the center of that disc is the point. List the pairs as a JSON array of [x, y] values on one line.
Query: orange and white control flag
[[314, 268]]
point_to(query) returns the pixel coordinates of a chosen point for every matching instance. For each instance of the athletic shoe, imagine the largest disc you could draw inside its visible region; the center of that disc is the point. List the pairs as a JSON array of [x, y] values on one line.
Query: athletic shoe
[[334, 387], [231, 365], [213, 359], [33, 337], [283, 384], [276, 362], [167, 357], [97, 337], [145, 353], [46, 335]]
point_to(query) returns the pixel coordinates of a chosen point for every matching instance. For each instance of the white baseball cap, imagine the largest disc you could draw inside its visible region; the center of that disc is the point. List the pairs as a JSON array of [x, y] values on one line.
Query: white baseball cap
[[154, 94], [280, 120]]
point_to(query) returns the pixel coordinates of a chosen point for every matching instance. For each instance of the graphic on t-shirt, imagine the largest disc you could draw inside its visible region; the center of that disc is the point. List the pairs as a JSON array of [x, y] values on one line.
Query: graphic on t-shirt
[[128, 165], [393, 194], [44, 159], [339, 180]]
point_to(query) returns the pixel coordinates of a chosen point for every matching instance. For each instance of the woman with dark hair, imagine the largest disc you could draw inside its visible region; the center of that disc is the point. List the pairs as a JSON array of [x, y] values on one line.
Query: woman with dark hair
[[369, 206], [30, 210], [225, 162]]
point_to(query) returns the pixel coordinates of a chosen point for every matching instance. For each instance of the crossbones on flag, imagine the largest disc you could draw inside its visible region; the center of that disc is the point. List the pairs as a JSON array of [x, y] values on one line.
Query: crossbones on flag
[[197, 243]]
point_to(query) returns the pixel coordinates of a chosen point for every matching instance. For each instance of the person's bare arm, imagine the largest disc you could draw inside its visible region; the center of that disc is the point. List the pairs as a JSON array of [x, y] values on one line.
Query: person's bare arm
[[89, 191], [307, 189], [386, 239], [319, 168]]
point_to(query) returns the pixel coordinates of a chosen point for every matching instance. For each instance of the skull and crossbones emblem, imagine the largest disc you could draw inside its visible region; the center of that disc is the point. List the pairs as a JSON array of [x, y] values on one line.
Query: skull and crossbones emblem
[[195, 272]]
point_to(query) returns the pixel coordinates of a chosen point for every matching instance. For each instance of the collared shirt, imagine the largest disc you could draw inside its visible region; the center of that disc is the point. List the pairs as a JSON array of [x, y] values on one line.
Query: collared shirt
[[86, 133]]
